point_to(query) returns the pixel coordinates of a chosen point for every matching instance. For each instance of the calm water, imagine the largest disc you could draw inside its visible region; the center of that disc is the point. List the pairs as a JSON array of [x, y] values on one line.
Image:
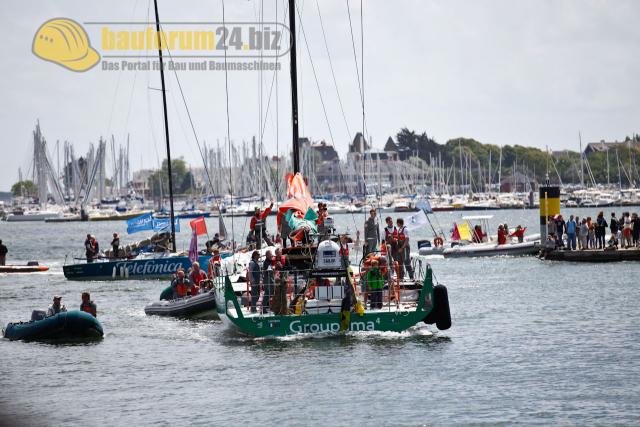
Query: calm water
[[532, 342]]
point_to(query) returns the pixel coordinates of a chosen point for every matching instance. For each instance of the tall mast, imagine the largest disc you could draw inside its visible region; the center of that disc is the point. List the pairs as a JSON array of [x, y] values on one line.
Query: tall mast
[[294, 86], [166, 129]]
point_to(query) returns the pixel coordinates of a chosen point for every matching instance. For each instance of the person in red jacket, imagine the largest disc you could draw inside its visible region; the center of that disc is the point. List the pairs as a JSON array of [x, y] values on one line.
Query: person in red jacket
[[258, 226], [502, 235], [519, 233], [196, 276]]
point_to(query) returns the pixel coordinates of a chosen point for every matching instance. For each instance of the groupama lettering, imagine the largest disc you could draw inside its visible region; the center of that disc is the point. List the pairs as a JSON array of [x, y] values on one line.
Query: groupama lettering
[[298, 328]]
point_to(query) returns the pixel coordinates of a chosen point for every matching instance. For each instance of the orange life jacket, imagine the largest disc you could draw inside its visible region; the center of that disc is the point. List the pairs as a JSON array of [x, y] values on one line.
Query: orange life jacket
[[88, 308], [400, 233], [181, 289]]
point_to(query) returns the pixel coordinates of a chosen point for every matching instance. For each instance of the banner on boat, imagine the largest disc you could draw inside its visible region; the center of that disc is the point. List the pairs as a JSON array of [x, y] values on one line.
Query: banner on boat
[[147, 222]]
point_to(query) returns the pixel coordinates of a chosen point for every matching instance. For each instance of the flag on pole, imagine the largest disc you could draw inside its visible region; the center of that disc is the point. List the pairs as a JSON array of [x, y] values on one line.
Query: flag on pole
[[416, 220], [193, 247], [222, 229], [199, 226], [143, 222], [424, 205], [456, 234]]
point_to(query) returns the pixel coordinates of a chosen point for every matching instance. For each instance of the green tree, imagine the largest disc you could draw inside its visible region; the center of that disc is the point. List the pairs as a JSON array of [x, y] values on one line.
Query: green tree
[[24, 188], [180, 174]]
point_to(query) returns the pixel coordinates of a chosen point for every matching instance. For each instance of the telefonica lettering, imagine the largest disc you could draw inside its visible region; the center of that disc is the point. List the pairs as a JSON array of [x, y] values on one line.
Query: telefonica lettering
[[150, 267], [313, 328]]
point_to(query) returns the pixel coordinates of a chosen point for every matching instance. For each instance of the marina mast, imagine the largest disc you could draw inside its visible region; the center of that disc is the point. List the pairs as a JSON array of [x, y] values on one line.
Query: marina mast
[[294, 85], [166, 128]]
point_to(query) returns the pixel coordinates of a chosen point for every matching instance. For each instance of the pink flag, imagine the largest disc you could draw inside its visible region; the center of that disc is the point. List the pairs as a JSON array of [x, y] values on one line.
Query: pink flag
[[193, 247]]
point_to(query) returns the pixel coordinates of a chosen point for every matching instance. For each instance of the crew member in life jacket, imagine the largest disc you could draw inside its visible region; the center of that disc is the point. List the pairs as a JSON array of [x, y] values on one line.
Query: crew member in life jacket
[[180, 285], [87, 305], [213, 267], [404, 249], [196, 275], [390, 237], [258, 226], [56, 306]]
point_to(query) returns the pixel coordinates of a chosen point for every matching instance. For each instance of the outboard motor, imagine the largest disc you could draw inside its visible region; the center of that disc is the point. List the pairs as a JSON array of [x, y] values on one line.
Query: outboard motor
[[38, 314]]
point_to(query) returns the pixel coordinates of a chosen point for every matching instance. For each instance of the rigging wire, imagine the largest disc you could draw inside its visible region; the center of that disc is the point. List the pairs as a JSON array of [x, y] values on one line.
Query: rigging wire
[[315, 76], [333, 74], [226, 90]]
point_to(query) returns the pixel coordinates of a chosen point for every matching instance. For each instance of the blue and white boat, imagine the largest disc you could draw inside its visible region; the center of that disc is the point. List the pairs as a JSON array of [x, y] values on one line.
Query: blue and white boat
[[145, 266]]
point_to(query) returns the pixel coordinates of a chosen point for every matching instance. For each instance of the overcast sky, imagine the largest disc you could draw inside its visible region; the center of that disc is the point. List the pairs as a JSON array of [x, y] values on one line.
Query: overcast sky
[[503, 72]]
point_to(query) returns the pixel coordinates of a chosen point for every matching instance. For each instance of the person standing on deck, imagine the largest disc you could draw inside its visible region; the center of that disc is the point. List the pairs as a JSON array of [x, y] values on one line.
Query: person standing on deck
[[601, 230], [258, 226], [502, 235], [571, 233], [518, 233], [254, 279], [268, 281], [375, 283], [371, 232], [88, 249], [390, 237], [213, 266], [3, 253], [404, 248], [115, 245]]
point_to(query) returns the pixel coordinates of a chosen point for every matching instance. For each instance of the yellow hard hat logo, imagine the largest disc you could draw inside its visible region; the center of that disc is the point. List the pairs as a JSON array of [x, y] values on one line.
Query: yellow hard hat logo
[[64, 42]]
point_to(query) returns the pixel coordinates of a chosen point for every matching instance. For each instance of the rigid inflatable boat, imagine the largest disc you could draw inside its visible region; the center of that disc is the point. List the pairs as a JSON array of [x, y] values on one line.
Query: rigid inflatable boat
[[201, 306]]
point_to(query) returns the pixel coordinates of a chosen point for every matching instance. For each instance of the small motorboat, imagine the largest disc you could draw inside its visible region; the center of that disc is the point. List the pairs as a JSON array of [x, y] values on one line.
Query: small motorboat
[[201, 306], [71, 325], [31, 267], [492, 249]]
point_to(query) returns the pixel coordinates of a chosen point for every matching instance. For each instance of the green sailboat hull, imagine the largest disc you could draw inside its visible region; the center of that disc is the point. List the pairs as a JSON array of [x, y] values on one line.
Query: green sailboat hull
[[386, 319]]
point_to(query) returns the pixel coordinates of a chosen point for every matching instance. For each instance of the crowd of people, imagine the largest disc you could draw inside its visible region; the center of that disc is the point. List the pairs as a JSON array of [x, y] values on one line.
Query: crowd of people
[[577, 233], [394, 241]]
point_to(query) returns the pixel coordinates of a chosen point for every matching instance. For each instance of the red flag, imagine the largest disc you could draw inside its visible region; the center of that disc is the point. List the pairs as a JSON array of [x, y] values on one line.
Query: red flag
[[456, 234], [198, 226]]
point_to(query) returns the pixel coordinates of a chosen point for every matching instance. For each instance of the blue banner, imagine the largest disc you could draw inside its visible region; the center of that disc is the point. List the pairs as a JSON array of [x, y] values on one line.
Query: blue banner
[[164, 224], [147, 222], [140, 223]]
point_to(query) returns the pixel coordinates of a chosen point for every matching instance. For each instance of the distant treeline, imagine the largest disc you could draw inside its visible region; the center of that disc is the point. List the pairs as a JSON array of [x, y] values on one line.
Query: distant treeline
[[533, 162]]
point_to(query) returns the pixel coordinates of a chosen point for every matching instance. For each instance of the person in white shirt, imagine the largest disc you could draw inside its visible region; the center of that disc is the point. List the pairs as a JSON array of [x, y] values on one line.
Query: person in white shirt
[[56, 307]]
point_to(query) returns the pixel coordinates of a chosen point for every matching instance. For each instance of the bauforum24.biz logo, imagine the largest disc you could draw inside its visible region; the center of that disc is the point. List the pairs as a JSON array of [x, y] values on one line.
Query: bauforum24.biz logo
[[186, 45]]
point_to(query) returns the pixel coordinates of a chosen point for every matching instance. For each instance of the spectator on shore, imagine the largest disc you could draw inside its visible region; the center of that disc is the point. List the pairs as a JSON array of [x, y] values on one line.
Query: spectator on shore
[[601, 229], [572, 227], [583, 233]]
